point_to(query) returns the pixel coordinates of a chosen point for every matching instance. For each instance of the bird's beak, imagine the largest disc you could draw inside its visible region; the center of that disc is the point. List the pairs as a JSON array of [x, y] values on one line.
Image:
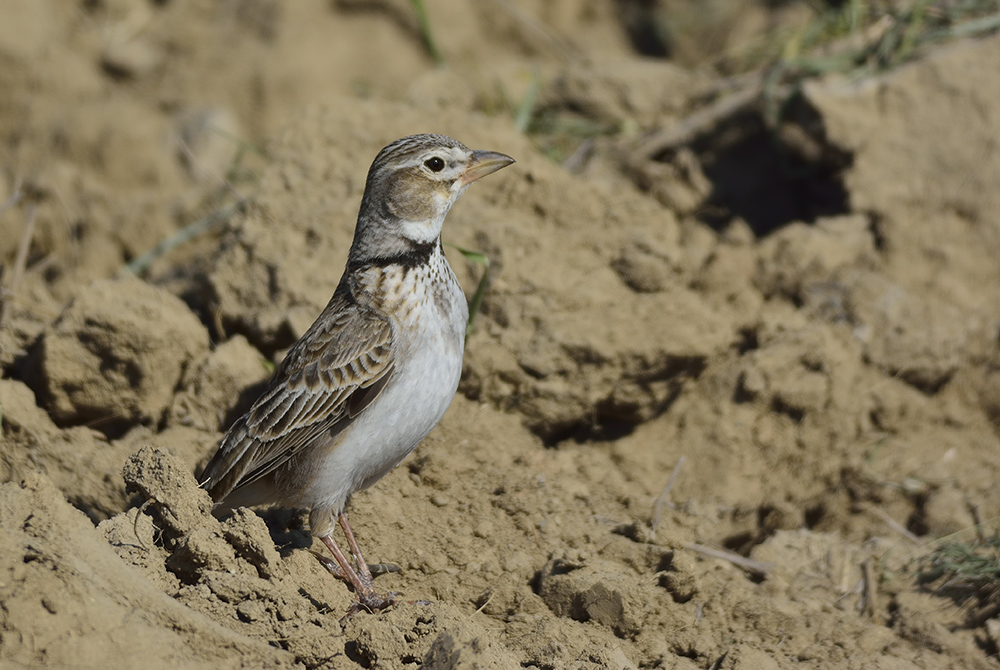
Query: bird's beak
[[484, 163]]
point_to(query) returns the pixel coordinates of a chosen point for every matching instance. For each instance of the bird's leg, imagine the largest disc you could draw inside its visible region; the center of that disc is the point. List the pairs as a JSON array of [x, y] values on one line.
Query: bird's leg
[[344, 571], [368, 599], [363, 569]]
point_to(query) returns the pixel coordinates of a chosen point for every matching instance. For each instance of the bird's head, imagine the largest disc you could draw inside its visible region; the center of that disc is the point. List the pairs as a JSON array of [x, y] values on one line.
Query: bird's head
[[414, 181]]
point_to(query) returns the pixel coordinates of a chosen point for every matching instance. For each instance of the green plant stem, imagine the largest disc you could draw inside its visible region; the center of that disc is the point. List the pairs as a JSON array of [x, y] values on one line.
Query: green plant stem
[[423, 21], [526, 110], [477, 299]]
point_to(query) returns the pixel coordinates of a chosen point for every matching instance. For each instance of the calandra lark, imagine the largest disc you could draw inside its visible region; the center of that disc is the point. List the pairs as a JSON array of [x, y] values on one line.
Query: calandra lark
[[379, 367]]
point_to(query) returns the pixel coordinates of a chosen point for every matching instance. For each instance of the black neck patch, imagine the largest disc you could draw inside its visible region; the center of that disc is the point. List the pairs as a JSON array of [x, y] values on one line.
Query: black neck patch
[[419, 253]]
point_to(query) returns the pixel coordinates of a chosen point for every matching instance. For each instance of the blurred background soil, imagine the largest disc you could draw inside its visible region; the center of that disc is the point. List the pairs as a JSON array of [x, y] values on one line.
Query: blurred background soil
[[732, 399]]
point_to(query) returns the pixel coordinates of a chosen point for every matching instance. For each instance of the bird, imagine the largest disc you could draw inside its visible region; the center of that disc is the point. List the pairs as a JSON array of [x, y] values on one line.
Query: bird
[[377, 369]]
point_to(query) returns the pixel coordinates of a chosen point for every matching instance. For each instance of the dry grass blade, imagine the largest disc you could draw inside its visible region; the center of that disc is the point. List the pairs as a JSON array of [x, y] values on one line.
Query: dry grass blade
[[895, 525], [538, 28], [855, 38], [12, 201], [141, 263], [485, 602], [20, 261], [663, 500], [758, 568], [869, 603], [873, 37], [135, 522], [218, 215], [700, 122]]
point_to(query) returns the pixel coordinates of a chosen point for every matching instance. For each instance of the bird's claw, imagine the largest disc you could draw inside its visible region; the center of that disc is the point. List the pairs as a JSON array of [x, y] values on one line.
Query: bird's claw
[[371, 602]]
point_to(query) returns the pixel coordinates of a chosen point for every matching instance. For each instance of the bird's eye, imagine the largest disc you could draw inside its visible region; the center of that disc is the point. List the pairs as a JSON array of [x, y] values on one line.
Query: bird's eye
[[434, 164]]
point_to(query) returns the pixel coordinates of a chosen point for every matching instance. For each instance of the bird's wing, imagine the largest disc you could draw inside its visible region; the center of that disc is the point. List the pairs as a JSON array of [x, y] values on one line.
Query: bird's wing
[[330, 376]]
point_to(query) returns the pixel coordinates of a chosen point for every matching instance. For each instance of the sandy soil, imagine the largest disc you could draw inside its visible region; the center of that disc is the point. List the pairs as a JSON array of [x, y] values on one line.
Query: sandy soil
[[819, 384]]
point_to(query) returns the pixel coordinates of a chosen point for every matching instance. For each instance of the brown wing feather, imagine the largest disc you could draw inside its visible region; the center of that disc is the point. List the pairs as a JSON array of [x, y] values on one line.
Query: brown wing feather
[[328, 377]]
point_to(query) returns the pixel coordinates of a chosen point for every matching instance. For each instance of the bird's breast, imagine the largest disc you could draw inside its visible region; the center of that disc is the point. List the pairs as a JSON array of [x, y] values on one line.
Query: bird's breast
[[429, 315]]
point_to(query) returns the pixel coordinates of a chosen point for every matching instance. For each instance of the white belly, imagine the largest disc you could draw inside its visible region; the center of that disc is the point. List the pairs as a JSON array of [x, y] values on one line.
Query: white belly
[[424, 381]]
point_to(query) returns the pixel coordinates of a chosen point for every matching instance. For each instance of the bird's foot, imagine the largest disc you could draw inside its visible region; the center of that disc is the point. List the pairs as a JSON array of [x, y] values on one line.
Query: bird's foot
[[359, 575], [371, 602], [331, 566], [375, 569]]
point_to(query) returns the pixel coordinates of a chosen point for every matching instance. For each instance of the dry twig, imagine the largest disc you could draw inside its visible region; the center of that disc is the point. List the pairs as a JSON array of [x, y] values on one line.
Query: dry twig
[[759, 568], [892, 523], [700, 122], [869, 603], [535, 26], [663, 500], [141, 263], [21, 260]]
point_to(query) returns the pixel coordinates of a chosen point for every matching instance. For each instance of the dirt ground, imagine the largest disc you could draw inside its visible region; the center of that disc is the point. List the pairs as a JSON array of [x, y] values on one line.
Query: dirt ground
[[710, 356]]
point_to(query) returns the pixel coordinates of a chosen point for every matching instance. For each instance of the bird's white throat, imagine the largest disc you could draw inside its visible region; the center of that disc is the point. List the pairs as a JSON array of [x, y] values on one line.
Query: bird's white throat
[[424, 232]]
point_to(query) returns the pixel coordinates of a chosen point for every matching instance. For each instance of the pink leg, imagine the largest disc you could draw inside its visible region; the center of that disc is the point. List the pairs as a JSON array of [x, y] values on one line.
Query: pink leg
[[347, 571], [368, 599], [364, 571]]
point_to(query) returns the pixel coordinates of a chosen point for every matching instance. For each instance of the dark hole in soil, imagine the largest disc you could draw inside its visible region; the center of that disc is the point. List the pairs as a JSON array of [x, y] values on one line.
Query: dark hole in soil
[[770, 177], [583, 432], [741, 543], [639, 19], [358, 654], [814, 514]]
